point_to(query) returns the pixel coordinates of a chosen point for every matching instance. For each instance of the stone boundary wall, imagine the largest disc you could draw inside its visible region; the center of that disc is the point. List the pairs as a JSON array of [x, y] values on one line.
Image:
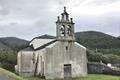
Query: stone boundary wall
[[100, 68]]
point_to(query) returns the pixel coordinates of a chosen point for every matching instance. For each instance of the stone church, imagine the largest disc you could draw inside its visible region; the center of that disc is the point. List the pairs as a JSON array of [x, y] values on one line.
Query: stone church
[[59, 57]]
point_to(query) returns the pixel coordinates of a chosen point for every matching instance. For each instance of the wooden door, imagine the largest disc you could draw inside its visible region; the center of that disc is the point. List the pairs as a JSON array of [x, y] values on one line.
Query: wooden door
[[67, 71]]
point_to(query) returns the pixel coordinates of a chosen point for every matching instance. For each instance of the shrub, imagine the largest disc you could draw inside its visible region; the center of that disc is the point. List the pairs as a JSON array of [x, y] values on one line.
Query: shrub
[[8, 58], [106, 58]]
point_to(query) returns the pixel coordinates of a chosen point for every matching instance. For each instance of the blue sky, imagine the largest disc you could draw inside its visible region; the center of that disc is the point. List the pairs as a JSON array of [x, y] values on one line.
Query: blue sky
[[30, 18]]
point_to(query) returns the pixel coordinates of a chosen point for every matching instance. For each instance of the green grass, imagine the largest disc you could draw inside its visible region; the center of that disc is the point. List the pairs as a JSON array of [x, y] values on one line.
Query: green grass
[[16, 77], [10, 74], [99, 77], [89, 77]]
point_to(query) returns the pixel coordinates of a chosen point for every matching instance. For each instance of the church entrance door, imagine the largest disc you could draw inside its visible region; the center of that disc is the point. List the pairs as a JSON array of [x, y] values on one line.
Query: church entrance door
[[67, 71]]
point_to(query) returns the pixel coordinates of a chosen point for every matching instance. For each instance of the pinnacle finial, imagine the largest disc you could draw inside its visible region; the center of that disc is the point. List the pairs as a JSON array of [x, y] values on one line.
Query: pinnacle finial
[[64, 9], [58, 18], [71, 20]]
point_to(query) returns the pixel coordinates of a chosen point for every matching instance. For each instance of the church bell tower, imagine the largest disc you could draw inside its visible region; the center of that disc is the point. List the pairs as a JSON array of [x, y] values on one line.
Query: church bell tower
[[65, 27]]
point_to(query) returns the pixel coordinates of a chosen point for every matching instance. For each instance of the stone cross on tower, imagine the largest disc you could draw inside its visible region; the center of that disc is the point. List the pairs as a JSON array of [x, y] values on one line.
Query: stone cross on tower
[[65, 27]]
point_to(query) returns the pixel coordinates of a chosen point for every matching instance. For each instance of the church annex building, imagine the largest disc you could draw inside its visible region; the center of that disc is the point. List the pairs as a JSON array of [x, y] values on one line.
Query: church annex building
[[59, 57]]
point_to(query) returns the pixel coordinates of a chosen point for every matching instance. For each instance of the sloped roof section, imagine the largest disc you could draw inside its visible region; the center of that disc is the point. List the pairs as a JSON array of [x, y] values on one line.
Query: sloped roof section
[[80, 45], [39, 43], [46, 45], [46, 36]]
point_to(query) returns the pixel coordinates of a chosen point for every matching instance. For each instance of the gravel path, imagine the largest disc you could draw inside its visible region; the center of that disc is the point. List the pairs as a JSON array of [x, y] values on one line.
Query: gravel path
[[4, 77]]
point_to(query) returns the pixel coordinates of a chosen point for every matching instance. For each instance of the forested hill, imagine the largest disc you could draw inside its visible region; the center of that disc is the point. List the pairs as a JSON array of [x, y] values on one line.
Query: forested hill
[[12, 42], [90, 39], [93, 39]]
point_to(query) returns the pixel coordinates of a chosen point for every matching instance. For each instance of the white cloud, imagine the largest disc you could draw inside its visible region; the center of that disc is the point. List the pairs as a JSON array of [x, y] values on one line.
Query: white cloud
[[30, 18], [87, 7]]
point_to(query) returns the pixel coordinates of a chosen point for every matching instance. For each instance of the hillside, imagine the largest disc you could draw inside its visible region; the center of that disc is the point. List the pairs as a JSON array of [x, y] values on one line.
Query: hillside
[[92, 39], [9, 46], [3, 45], [12, 42]]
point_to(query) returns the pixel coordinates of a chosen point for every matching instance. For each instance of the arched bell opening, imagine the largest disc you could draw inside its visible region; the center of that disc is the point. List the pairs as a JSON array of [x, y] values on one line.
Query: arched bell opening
[[69, 30], [62, 30]]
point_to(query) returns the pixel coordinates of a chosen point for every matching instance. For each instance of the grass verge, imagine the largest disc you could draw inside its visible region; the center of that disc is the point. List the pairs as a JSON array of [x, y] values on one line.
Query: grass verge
[[98, 77], [10, 74], [89, 77]]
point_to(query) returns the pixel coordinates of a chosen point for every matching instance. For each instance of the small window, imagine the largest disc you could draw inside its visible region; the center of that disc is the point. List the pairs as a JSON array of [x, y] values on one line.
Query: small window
[[66, 48]]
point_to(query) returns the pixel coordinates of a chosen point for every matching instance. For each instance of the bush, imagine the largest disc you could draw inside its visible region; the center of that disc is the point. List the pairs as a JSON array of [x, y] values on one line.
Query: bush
[[8, 59], [92, 56], [113, 58], [105, 58]]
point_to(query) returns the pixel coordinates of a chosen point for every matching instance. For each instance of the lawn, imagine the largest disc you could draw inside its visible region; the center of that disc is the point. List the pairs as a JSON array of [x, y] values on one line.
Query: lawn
[[89, 77], [99, 77]]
